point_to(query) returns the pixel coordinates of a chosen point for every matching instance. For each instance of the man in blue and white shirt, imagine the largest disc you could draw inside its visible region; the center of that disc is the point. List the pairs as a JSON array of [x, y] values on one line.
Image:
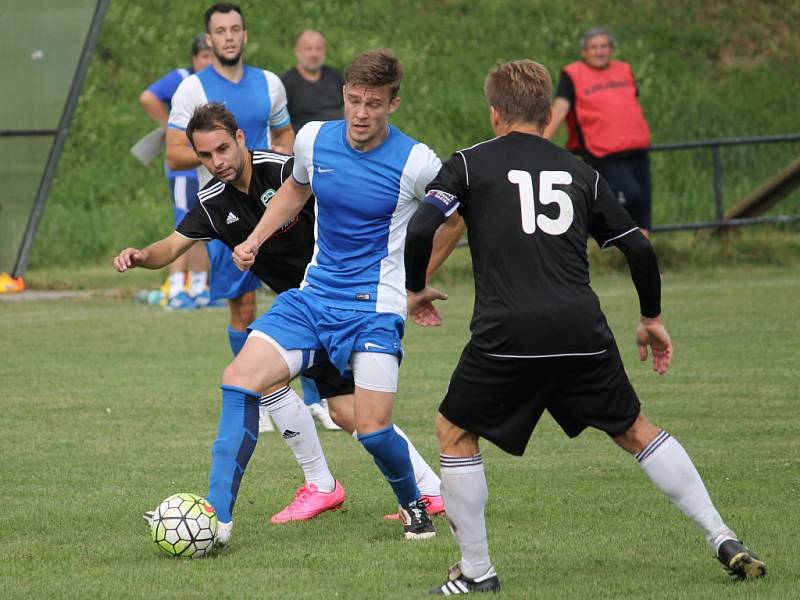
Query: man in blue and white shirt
[[156, 101], [368, 179], [257, 100]]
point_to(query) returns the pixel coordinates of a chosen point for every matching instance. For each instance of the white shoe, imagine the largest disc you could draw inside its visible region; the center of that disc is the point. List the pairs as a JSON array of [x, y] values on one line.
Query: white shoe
[[320, 412], [264, 422], [223, 536]]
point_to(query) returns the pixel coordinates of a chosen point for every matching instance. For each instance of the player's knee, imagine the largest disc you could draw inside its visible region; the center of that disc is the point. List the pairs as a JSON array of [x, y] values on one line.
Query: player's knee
[[453, 440], [638, 435], [234, 375], [342, 413]]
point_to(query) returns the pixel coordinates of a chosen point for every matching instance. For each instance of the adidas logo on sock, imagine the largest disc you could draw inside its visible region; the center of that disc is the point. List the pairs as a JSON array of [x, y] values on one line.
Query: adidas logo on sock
[[232, 218], [289, 434]]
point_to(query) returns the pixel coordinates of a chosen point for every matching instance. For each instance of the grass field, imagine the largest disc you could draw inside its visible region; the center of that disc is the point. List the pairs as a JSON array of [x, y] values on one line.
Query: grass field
[[109, 407]]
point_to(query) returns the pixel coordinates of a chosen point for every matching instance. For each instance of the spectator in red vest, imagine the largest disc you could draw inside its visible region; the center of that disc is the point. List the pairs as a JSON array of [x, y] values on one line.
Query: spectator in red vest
[[598, 98]]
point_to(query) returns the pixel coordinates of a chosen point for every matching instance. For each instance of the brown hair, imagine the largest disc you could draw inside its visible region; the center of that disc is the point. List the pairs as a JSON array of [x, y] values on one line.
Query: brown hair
[[376, 69], [520, 92], [210, 117]]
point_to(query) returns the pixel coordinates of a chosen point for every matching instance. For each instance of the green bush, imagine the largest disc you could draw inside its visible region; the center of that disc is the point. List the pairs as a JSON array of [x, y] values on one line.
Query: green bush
[[705, 70]]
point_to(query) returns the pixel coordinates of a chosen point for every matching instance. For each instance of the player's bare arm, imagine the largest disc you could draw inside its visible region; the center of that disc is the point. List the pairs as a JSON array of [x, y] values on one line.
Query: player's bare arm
[[283, 139], [180, 154], [284, 206], [155, 256], [558, 112], [444, 242], [154, 107]]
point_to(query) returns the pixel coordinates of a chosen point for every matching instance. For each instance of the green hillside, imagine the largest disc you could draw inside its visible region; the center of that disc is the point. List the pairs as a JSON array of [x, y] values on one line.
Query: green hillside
[[705, 70]]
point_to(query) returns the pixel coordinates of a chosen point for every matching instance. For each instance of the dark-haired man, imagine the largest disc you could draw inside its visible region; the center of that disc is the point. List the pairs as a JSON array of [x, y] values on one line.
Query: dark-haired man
[[257, 99], [539, 339], [229, 207], [368, 178]]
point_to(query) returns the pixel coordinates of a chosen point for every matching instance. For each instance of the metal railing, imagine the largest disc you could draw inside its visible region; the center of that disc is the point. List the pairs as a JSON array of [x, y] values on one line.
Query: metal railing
[[714, 146]]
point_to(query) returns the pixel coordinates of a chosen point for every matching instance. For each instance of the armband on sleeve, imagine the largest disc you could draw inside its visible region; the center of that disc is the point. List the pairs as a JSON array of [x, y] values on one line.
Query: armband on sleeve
[[447, 203]]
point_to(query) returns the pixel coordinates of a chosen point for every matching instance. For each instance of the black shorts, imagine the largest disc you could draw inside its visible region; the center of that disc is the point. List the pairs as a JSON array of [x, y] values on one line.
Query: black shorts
[[501, 399], [628, 176], [329, 381]]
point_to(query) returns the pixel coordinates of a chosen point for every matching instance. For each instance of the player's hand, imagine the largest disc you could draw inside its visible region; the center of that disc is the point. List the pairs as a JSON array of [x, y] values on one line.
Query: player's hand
[[652, 334], [244, 255], [421, 308], [128, 259]]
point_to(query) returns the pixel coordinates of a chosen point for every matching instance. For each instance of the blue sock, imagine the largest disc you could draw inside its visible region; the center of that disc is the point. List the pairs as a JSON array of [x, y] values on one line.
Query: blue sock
[[236, 439], [310, 393], [390, 452], [236, 339]]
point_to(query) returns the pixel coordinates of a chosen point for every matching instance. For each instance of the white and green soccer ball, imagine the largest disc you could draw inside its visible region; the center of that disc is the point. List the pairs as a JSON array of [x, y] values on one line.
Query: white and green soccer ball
[[184, 525]]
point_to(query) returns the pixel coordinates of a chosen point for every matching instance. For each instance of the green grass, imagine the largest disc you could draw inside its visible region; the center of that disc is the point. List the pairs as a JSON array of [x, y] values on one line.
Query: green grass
[[108, 407], [705, 70]]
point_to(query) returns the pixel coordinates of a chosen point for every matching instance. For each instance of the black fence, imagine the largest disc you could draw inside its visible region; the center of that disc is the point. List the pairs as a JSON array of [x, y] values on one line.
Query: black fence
[[714, 147]]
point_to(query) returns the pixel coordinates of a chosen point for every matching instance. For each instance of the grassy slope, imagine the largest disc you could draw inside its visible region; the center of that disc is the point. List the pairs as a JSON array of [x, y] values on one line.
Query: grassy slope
[[705, 70], [109, 407]]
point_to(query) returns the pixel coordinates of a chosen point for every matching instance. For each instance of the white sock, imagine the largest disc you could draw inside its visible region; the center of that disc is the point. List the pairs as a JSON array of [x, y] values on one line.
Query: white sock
[[296, 425], [465, 495], [672, 471], [176, 283], [428, 482], [198, 280]]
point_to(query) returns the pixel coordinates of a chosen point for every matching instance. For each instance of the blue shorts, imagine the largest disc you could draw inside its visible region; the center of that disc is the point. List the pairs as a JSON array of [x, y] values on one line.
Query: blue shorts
[[299, 321], [227, 281], [183, 191]]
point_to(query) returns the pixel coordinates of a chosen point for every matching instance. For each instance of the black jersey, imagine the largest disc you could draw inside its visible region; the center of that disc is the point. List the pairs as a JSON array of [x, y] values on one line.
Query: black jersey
[[529, 207], [226, 214]]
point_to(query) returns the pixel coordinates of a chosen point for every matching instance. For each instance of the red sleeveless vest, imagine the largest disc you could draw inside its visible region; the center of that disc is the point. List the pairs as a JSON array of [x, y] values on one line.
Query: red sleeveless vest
[[606, 109]]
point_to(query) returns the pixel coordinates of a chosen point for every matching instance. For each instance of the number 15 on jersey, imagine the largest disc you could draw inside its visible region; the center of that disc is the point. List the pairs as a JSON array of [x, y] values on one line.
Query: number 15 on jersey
[[547, 195]]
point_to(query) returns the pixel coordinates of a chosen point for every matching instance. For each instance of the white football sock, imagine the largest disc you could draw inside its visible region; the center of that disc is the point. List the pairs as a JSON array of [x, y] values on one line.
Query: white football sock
[[428, 482], [672, 471], [176, 283], [198, 280], [296, 425], [465, 495]]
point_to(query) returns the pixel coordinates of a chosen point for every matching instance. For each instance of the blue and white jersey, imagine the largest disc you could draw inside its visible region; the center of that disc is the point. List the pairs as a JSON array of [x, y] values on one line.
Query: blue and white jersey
[[164, 90], [364, 203], [257, 101]]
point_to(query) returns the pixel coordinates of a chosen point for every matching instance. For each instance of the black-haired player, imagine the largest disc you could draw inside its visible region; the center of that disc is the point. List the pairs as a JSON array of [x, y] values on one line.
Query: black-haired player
[[539, 339]]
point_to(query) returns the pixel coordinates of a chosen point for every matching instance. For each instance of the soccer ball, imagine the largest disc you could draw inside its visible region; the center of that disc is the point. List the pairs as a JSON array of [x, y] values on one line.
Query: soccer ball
[[184, 525]]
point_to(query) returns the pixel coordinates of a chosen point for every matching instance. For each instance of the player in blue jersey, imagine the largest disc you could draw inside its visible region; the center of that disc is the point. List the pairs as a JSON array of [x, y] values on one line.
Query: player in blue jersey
[[156, 101], [258, 101], [368, 179]]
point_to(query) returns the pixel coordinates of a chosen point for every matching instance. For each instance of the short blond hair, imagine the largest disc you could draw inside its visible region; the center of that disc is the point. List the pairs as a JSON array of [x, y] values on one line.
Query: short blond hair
[[520, 92], [376, 69]]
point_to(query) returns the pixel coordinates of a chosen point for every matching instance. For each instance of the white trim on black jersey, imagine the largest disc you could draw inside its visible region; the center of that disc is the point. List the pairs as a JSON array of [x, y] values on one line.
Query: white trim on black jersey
[[260, 156], [544, 355], [194, 239], [464, 158], [616, 237], [212, 191], [203, 195]]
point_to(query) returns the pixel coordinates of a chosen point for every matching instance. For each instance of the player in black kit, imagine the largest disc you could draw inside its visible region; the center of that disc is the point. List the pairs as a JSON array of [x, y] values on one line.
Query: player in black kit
[[229, 207], [539, 339]]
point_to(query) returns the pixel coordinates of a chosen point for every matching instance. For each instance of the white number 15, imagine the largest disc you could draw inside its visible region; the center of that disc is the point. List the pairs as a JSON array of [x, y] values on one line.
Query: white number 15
[[547, 195]]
